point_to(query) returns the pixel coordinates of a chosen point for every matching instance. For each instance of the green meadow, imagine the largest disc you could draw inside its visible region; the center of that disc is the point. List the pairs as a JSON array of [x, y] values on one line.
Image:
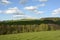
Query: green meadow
[[44, 35]]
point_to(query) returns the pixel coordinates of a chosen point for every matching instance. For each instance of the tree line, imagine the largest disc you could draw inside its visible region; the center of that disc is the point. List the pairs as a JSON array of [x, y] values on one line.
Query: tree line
[[11, 27]]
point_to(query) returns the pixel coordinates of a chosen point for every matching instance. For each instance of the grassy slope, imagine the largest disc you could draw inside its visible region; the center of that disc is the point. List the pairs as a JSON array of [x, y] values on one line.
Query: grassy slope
[[45, 35]]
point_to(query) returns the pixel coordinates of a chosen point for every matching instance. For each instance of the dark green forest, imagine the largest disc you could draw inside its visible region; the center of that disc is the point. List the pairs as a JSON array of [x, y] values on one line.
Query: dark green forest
[[22, 26]]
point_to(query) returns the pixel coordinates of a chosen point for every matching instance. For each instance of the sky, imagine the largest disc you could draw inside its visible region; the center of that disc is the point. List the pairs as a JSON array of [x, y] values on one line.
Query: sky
[[28, 9]]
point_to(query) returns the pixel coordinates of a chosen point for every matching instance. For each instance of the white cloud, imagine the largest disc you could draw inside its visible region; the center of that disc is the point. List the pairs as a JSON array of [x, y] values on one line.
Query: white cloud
[[23, 1], [13, 10], [5, 2], [31, 8], [56, 11], [43, 0]]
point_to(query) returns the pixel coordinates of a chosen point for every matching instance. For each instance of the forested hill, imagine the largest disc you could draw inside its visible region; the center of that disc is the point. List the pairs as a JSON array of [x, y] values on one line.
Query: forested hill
[[29, 25], [32, 21], [51, 18]]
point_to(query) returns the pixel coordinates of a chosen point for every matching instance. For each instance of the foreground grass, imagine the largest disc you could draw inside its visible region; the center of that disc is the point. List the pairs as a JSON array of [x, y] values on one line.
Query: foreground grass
[[45, 35]]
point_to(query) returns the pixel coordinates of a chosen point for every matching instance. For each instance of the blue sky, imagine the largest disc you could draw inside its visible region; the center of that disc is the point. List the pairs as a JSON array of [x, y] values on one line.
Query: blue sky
[[29, 9]]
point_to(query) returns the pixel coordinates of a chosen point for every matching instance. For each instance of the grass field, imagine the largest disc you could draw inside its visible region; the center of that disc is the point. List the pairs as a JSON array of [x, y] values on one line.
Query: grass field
[[45, 35]]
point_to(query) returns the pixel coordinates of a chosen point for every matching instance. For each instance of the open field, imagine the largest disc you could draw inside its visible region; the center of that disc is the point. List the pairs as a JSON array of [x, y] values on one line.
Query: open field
[[44, 35]]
